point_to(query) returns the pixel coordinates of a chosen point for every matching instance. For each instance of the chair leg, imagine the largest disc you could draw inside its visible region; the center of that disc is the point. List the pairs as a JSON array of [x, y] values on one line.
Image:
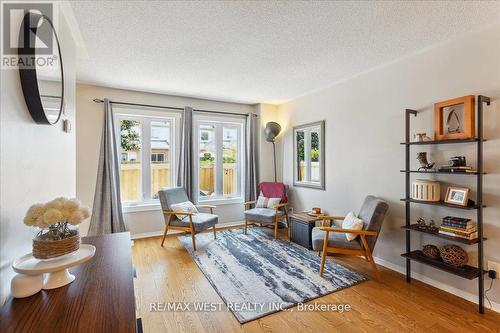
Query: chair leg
[[276, 227], [193, 238], [368, 254], [166, 229], [215, 235], [323, 257], [164, 235], [246, 224], [194, 241]]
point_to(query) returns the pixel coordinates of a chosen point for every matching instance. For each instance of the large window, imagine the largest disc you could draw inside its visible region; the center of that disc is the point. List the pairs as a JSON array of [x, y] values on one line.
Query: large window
[[146, 156], [219, 159]]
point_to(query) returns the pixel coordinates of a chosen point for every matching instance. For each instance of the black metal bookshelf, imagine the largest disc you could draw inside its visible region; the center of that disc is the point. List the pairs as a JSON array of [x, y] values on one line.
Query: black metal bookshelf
[[467, 272]]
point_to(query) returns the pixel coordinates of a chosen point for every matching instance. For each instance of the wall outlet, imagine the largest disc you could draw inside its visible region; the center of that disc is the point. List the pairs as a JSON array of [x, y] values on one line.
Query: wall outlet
[[494, 266]]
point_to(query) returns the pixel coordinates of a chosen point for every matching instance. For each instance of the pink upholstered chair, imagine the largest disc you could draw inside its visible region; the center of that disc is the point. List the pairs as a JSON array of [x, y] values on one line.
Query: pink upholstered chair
[[270, 215]]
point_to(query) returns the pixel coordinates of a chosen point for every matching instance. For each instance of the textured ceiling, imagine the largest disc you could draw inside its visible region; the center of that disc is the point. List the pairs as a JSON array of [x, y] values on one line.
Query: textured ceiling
[[257, 51]]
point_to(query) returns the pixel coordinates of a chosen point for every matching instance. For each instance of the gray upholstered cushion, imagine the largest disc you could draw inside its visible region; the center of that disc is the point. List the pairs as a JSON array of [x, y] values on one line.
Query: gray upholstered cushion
[[263, 215], [172, 196], [201, 221], [335, 239], [372, 212]]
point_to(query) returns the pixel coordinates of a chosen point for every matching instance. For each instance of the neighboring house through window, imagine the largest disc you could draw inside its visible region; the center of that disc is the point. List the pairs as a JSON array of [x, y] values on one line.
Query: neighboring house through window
[[147, 153], [219, 148]]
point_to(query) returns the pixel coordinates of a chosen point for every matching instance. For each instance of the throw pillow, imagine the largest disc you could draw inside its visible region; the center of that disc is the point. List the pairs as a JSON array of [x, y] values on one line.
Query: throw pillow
[[263, 202], [185, 207], [351, 222]]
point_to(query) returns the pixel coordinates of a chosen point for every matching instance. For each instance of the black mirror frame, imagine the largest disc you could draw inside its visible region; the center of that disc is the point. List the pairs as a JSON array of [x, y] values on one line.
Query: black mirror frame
[[28, 75]]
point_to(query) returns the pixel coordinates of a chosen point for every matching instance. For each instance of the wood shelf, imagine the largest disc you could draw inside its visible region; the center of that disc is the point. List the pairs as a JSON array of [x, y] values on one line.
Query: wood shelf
[[467, 272], [413, 227], [440, 142], [443, 172], [442, 204]]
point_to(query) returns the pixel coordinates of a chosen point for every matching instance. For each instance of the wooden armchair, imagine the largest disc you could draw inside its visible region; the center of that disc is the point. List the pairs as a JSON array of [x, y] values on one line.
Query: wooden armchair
[[271, 215], [264, 216], [333, 240], [195, 223]]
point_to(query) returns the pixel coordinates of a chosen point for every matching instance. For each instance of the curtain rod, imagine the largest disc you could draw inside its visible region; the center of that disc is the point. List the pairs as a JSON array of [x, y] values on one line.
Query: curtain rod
[[96, 100]]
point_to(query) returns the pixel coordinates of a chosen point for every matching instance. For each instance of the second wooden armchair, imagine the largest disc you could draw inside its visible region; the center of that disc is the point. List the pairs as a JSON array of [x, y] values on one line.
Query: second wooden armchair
[[268, 215], [333, 239]]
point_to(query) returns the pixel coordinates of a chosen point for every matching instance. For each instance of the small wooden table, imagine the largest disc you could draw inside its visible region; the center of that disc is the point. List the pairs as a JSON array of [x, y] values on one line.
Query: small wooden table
[[101, 299], [301, 226]]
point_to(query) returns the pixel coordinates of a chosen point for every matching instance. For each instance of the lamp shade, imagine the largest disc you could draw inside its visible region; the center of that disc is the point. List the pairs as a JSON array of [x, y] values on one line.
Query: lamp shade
[[272, 130]]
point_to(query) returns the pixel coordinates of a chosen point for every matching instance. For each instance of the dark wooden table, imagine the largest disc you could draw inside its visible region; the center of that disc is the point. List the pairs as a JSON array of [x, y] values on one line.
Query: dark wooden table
[[101, 299], [301, 226]]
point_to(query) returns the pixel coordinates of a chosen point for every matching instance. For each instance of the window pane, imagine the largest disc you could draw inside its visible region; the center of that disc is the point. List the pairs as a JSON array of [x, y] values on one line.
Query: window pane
[[207, 156], [315, 156], [230, 160], [160, 149], [300, 156], [130, 165]]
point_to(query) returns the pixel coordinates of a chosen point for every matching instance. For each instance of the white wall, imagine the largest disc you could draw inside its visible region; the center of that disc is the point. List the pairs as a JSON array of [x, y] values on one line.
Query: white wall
[[88, 135], [365, 124], [37, 161]]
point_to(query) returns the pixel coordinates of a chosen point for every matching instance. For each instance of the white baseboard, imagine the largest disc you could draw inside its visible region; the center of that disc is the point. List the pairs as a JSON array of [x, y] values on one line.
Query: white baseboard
[[443, 286], [173, 232]]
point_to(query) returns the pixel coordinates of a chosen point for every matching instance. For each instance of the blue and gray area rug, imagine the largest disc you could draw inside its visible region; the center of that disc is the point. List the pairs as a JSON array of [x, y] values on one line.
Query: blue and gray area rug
[[256, 275]]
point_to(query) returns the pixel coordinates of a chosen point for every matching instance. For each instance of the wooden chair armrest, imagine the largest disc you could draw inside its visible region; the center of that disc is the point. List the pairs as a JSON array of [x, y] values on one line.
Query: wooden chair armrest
[[169, 212], [278, 206], [248, 203], [206, 206], [332, 217], [359, 232], [211, 207]]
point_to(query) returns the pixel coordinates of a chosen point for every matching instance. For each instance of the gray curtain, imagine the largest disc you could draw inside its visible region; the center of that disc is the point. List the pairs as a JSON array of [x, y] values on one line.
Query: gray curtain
[[107, 211], [251, 153], [185, 174]]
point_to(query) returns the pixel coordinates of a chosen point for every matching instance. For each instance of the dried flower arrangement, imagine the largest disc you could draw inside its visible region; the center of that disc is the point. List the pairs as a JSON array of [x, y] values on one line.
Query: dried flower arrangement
[[54, 216]]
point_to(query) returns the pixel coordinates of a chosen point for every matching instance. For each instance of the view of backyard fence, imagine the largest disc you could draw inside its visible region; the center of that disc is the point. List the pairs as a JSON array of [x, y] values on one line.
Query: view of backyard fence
[[130, 179]]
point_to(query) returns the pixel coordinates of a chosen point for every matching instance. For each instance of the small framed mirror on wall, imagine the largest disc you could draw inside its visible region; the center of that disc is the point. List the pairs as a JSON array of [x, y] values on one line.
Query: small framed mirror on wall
[[309, 155]]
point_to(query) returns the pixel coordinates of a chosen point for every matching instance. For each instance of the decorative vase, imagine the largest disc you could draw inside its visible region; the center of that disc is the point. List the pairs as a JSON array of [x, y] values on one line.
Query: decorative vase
[[55, 241], [426, 190]]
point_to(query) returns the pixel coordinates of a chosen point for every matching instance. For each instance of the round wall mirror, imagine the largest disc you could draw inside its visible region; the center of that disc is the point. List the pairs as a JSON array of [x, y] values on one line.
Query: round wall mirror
[[42, 75]]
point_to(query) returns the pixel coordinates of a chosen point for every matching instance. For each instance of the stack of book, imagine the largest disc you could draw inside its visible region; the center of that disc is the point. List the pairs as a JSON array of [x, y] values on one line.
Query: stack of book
[[456, 169], [458, 227]]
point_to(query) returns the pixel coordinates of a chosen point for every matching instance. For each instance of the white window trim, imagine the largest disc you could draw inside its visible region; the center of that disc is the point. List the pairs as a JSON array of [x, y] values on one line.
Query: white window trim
[[307, 155], [151, 115], [237, 121]]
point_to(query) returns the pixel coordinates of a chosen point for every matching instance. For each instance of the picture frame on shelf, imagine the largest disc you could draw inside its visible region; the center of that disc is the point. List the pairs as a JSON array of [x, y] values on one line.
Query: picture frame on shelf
[[457, 196], [455, 119]]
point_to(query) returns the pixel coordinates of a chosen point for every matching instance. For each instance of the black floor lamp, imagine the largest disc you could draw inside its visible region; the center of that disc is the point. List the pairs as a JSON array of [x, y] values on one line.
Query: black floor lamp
[[272, 130]]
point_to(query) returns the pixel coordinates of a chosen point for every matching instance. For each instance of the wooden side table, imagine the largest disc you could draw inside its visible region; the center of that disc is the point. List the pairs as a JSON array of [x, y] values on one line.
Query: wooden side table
[[101, 299], [301, 226]]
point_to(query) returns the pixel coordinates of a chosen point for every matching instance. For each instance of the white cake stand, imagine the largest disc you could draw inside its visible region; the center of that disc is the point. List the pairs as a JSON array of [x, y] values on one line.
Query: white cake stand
[[57, 269]]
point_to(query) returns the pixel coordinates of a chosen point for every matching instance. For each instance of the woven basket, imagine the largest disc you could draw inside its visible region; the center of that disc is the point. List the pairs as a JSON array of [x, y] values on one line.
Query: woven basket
[[47, 249]]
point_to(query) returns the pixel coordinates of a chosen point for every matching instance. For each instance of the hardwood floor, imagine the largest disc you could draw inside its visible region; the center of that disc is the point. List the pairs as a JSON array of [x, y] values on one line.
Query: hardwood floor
[[169, 274]]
